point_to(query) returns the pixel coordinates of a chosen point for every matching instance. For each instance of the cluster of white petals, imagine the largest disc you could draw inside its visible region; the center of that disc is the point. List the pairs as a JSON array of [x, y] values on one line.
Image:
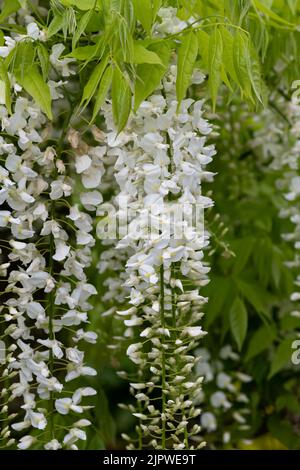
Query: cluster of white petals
[[160, 167], [48, 240], [280, 141]]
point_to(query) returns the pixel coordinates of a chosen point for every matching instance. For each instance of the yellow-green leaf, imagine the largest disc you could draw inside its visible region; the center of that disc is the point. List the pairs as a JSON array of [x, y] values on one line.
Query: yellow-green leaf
[[146, 11], [121, 99], [5, 86], [227, 39], [102, 90], [149, 76], [203, 46], [141, 55], [187, 55], [241, 63], [9, 7], [34, 84], [93, 82], [81, 27], [215, 59], [271, 14]]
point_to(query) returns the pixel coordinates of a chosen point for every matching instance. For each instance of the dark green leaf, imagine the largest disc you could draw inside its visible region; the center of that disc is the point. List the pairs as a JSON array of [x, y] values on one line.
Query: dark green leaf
[[260, 341], [238, 321], [282, 356]]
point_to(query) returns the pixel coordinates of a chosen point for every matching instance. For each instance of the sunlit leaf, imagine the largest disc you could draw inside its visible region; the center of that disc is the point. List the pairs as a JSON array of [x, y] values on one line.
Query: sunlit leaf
[[34, 84], [121, 99], [187, 55], [102, 91], [215, 64]]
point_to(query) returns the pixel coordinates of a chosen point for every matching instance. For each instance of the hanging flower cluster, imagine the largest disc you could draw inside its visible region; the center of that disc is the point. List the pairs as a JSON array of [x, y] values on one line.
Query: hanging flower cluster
[[279, 141], [160, 166], [45, 255], [289, 185]]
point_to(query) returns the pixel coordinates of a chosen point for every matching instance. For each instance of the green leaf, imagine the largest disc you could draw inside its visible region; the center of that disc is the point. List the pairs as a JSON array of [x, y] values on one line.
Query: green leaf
[[9, 7], [146, 11], [227, 39], [5, 86], [290, 322], [141, 55], [255, 295], [218, 291], [260, 341], [271, 14], [203, 46], [289, 402], [254, 71], [242, 249], [82, 4], [93, 82], [238, 321], [284, 430], [21, 58], [215, 64], [84, 20], [187, 55], [241, 63], [84, 53], [282, 356], [293, 6], [102, 90], [43, 59], [55, 25], [34, 84], [121, 99], [149, 76]]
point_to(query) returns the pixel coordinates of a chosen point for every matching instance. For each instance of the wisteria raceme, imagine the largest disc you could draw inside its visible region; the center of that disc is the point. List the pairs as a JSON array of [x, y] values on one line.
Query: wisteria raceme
[[160, 167], [111, 114], [279, 143], [289, 185], [46, 298]]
